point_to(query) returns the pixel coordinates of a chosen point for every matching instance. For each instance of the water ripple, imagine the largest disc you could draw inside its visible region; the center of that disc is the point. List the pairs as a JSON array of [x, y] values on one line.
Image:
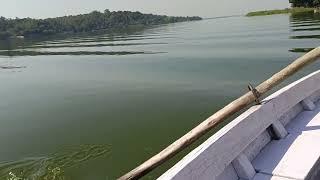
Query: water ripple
[[72, 53], [99, 40], [314, 36], [307, 24], [307, 29], [90, 45], [117, 43], [304, 27], [52, 167], [301, 50]]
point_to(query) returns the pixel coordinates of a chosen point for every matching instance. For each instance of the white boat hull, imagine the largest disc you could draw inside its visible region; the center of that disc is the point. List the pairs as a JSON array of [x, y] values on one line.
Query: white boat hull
[[278, 140]]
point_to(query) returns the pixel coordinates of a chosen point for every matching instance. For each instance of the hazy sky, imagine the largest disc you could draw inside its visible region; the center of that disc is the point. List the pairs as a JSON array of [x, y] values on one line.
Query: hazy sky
[[204, 8]]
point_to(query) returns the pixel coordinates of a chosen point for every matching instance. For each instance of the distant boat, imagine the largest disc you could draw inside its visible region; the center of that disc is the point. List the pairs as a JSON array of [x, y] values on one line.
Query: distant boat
[[20, 37]]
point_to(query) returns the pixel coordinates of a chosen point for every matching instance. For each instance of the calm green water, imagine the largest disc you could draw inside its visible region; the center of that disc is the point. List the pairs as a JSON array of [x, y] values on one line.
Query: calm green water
[[95, 106]]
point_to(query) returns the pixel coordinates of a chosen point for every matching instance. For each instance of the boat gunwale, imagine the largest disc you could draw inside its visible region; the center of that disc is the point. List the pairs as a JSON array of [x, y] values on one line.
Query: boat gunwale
[[215, 154]]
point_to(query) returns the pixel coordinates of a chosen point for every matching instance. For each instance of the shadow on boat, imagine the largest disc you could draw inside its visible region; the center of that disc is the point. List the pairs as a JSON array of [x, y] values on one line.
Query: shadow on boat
[[301, 129]]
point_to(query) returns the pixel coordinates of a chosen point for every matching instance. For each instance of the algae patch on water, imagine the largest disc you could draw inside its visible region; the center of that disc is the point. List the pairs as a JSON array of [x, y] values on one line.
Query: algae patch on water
[[301, 50], [53, 166]]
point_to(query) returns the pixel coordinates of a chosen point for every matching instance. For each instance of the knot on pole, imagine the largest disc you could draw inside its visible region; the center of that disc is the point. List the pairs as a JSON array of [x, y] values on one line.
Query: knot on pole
[[255, 93]]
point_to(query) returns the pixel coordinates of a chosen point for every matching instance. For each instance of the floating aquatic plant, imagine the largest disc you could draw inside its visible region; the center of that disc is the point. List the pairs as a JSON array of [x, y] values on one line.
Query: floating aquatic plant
[[53, 166]]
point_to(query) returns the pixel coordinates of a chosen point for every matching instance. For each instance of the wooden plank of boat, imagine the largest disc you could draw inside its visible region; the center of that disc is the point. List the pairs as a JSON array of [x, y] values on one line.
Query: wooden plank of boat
[[297, 155], [256, 145]]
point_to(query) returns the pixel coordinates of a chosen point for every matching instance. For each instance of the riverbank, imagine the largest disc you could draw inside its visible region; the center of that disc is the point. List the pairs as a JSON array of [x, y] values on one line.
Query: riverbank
[[280, 11], [83, 23]]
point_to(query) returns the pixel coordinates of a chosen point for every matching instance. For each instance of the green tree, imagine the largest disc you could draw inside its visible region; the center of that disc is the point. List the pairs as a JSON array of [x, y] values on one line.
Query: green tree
[[93, 21], [305, 3]]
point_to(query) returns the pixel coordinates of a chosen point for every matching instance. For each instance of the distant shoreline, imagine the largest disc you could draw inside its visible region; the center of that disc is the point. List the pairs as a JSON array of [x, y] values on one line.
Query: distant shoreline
[[83, 23], [281, 11]]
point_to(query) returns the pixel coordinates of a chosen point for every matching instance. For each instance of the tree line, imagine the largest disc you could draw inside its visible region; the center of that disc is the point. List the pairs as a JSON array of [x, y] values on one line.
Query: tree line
[[305, 3], [93, 21]]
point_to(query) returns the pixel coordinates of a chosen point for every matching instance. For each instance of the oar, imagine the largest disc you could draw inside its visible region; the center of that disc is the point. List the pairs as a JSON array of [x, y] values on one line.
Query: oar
[[232, 108]]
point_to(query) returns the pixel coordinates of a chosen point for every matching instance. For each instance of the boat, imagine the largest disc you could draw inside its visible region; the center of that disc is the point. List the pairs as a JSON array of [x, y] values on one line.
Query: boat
[[278, 138]]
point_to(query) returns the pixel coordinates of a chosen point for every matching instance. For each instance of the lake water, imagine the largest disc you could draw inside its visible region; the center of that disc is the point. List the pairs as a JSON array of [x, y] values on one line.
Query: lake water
[[95, 106]]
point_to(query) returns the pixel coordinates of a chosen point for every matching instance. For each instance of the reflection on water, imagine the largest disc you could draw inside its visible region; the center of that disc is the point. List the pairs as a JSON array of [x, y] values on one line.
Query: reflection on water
[[12, 67], [301, 50], [307, 29], [305, 26], [103, 44], [91, 45], [12, 53], [315, 36], [53, 166], [137, 91]]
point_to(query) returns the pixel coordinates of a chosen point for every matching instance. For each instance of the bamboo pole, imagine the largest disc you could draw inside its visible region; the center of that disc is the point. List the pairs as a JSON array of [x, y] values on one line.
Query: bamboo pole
[[220, 116]]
